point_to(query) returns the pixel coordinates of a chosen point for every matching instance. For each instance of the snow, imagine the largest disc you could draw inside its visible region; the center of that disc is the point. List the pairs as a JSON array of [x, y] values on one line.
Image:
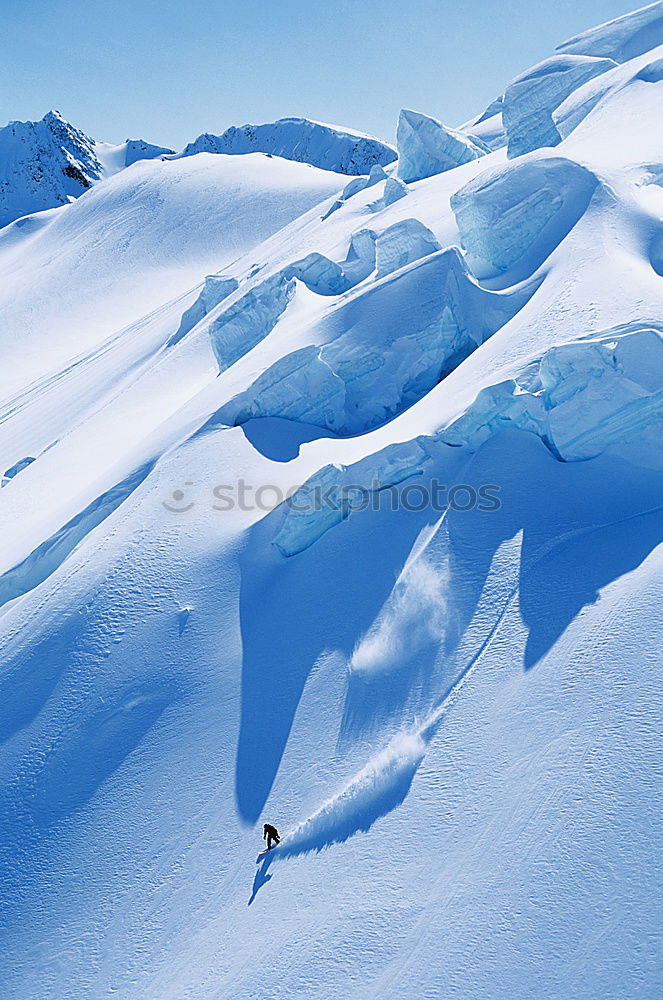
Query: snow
[[378, 350], [586, 402], [128, 248], [327, 146], [116, 157], [336, 504], [249, 319], [357, 184]]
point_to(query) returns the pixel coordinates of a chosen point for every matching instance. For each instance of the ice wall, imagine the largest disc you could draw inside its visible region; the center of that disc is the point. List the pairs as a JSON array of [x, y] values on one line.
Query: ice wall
[[530, 99], [518, 214], [427, 147], [581, 399], [385, 347]]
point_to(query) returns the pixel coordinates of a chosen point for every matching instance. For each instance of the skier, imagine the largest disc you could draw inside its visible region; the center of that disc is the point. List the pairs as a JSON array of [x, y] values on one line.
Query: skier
[[270, 833]]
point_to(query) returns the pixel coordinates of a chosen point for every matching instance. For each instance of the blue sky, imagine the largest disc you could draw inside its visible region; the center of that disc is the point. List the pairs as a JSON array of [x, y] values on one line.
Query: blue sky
[[167, 71]]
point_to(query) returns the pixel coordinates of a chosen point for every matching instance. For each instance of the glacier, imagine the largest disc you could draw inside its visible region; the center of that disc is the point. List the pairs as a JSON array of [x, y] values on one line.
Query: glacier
[[331, 498], [385, 346]]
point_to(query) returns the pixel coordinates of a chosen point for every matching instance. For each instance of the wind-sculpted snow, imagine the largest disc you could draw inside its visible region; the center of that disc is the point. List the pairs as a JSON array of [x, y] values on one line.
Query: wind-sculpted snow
[[384, 348], [379, 787], [652, 72], [575, 108], [518, 214], [530, 99], [624, 38], [325, 146], [43, 164], [427, 147], [595, 92]]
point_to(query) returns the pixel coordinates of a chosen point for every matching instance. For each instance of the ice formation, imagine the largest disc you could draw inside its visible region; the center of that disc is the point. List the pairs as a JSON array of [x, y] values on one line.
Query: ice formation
[[357, 184], [427, 147], [531, 99], [487, 129], [328, 497], [216, 288], [587, 399], [518, 214], [403, 243], [377, 354], [249, 318], [582, 399], [249, 409]]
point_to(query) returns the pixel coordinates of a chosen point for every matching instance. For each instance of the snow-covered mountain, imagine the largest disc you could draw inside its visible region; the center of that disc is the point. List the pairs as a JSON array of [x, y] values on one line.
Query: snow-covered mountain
[[50, 162], [325, 146], [336, 504]]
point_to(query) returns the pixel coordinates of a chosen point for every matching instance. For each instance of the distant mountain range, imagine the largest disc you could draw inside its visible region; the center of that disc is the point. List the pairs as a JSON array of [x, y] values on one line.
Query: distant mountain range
[[50, 162]]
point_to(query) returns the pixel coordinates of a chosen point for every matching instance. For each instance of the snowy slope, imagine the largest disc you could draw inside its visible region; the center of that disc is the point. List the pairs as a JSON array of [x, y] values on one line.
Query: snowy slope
[[448, 706], [146, 235]]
